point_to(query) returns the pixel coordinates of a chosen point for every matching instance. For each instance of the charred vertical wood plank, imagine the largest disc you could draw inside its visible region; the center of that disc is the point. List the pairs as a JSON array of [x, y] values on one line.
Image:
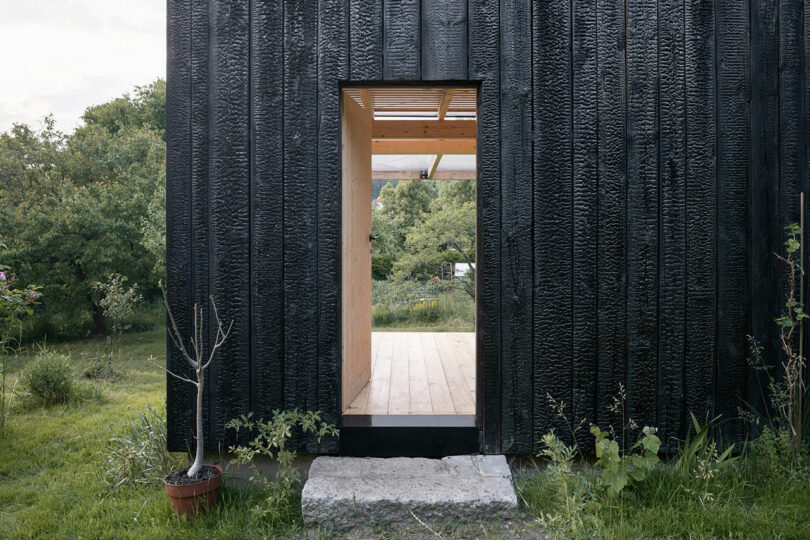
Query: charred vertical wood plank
[[516, 212], [366, 40], [484, 51], [333, 66], [765, 178], [612, 186], [552, 327], [733, 253], [200, 174], [229, 220], [301, 208], [765, 211], [642, 212], [401, 39], [516, 237], [790, 129], [179, 396], [672, 166], [584, 140], [267, 207], [701, 174], [444, 39], [805, 161]]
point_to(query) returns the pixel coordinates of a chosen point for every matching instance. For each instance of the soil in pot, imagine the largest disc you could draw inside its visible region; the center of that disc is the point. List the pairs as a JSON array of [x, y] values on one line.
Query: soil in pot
[[191, 495], [180, 478]]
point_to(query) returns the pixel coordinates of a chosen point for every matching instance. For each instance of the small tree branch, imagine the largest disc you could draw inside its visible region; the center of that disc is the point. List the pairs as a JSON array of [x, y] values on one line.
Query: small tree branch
[[179, 341], [221, 337], [195, 383]]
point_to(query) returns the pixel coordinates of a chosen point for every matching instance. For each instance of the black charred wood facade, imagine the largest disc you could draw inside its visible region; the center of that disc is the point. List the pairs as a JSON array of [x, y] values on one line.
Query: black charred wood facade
[[637, 161]]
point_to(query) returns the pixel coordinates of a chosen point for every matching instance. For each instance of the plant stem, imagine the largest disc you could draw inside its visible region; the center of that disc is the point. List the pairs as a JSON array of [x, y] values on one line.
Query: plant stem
[[799, 409]]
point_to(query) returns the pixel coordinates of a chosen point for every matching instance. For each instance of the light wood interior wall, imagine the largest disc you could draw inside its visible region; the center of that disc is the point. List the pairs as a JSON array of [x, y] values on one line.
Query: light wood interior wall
[[356, 222]]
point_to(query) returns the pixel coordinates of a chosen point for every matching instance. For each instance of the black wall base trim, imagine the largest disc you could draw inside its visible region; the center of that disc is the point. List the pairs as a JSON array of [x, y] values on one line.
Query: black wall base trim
[[409, 435]]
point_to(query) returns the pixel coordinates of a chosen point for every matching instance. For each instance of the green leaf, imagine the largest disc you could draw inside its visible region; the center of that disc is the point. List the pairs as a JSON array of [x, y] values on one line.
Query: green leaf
[[652, 443], [615, 479], [792, 245]]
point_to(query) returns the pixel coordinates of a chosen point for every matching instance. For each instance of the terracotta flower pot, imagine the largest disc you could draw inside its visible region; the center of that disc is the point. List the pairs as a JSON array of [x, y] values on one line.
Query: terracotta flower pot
[[190, 500]]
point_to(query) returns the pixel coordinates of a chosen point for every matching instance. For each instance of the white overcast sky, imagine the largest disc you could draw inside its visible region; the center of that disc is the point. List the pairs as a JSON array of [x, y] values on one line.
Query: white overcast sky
[[61, 56]]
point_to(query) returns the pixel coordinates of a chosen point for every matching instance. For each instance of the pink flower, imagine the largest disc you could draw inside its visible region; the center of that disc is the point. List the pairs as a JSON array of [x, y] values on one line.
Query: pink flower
[[2, 276]]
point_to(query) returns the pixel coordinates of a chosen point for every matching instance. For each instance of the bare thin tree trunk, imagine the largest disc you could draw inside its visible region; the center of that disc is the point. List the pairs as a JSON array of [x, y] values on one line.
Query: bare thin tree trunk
[[198, 458]]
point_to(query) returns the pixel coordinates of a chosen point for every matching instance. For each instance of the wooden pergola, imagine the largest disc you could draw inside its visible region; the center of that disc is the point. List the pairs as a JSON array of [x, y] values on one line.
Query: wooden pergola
[[411, 121]]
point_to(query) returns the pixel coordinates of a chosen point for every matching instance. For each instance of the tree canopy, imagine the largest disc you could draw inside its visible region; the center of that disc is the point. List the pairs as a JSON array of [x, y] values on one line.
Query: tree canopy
[[424, 227], [77, 208]]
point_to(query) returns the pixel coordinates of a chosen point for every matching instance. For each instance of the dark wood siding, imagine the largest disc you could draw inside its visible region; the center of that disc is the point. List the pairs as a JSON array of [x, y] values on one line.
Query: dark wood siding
[[333, 66], [637, 163], [484, 66], [732, 284], [553, 204], [267, 207]]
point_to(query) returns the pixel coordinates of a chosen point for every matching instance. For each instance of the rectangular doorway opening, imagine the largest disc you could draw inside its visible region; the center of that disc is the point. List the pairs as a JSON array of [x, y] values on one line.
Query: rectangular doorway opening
[[409, 360]]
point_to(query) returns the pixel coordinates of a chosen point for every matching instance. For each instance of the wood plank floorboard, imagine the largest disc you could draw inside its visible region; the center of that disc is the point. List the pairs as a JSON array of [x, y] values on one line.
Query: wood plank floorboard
[[419, 373]]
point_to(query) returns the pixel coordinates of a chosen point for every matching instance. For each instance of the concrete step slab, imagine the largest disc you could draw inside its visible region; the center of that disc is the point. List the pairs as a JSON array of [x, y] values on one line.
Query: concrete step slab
[[349, 492]]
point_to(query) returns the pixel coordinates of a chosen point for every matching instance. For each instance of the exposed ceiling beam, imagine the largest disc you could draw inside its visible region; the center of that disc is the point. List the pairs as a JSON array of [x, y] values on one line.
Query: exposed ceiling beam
[[365, 97], [423, 129], [415, 175], [416, 108], [447, 97], [434, 163], [423, 146]]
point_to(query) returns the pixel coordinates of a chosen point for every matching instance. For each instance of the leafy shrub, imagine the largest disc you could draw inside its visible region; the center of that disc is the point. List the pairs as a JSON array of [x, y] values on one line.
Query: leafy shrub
[[49, 378], [623, 468], [270, 440], [139, 455], [381, 265]]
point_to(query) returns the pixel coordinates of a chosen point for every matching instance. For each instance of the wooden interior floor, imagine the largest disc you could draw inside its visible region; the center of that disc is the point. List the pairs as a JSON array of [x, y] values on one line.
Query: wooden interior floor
[[419, 373]]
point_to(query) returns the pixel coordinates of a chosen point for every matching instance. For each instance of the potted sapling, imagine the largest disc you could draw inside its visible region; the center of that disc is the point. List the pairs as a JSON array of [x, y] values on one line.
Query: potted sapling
[[194, 489]]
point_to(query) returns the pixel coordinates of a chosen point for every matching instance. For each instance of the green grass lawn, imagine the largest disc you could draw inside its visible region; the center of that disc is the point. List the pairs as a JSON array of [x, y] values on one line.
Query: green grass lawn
[[743, 501], [51, 485], [51, 460]]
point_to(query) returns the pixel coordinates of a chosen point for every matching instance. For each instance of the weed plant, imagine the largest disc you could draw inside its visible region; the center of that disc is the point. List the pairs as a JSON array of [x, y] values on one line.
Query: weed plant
[[138, 454], [703, 491], [282, 491]]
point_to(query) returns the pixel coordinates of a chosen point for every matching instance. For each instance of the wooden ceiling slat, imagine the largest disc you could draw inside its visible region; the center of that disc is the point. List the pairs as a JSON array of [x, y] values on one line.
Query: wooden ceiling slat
[[424, 146], [427, 129], [417, 100]]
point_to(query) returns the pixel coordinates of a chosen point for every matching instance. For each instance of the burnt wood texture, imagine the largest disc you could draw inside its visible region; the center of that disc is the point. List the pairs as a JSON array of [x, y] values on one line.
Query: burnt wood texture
[[637, 162]]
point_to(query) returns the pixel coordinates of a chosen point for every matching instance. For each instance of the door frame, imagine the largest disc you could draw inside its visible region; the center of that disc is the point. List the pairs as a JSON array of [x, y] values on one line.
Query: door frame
[[424, 435]]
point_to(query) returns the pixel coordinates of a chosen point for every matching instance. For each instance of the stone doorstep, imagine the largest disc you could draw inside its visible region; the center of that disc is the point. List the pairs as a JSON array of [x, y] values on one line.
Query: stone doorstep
[[347, 492]]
